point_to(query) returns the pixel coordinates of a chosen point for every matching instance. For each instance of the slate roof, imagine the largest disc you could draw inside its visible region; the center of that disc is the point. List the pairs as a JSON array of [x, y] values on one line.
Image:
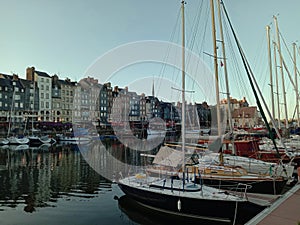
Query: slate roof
[[42, 74]]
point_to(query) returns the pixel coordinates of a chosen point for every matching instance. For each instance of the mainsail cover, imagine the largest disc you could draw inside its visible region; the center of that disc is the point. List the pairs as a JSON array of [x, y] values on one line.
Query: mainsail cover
[[167, 156]]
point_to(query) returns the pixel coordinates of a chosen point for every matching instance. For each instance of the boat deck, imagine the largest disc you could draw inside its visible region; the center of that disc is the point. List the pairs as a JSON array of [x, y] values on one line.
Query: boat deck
[[283, 211]]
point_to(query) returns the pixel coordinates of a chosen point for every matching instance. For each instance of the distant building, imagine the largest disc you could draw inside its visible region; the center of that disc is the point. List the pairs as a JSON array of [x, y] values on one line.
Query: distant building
[[246, 117], [44, 83], [12, 98]]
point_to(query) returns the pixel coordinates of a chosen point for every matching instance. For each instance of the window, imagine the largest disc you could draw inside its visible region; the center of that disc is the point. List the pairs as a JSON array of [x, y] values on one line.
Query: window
[[16, 104], [0, 95], [42, 95], [42, 87], [47, 95], [0, 104], [21, 104], [42, 79], [42, 104], [47, 88], [47, 105], [16, 89]]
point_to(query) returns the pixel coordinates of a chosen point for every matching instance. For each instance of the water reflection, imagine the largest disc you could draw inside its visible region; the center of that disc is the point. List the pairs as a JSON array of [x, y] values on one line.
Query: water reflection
[[39, 177]]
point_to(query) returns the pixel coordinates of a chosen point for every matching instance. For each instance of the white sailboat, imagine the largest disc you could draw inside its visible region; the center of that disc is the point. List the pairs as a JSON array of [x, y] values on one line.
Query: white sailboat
[[184, 198]]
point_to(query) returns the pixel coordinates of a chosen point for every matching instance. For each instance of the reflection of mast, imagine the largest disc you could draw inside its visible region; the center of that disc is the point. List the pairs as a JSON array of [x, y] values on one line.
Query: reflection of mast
[[282, 76], [277, 86]]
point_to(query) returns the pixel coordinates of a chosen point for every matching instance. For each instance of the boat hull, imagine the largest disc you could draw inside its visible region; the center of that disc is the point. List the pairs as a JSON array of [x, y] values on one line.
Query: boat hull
[[255, 185], [216, 210]]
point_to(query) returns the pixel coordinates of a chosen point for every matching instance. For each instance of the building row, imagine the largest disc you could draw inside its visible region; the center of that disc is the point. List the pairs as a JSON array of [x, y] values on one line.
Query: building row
[[41, 97]]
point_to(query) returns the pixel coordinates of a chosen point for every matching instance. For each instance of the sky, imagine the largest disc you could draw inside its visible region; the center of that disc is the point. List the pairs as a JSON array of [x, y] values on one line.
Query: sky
[[69, 37]]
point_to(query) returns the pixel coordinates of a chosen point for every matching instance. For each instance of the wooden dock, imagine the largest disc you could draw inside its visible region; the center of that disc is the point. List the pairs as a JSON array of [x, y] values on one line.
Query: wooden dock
[[285, 210]]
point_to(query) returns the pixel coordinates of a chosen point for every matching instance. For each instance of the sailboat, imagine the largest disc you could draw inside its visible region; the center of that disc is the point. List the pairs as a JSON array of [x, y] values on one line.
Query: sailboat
[[181, 197]]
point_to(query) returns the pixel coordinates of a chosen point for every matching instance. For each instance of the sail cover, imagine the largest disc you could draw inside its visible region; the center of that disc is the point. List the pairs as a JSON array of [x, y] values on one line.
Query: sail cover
[[167, 156]]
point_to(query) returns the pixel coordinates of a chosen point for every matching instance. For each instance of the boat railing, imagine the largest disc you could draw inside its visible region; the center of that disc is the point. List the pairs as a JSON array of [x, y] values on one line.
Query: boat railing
[[241, 190]]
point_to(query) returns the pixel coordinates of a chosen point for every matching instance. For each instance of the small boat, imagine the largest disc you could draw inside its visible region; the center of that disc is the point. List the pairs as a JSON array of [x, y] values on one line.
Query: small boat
[[18, 147], [74, 139], [18, 140], [36, 140], [4, 141]]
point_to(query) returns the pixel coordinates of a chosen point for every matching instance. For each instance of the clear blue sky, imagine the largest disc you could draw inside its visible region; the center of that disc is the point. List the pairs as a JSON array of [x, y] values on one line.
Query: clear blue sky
[[65, 37]]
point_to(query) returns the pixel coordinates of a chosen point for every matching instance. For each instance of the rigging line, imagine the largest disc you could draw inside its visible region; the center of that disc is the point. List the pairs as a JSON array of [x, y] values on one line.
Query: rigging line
[[163, 68], [234, 64], [194, 31], [249, 74], [195, 44], [288, 51]]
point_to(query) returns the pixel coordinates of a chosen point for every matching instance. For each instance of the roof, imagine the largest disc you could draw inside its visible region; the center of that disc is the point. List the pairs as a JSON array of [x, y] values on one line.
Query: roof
[[4, 82], [245, 112], [42, 74]]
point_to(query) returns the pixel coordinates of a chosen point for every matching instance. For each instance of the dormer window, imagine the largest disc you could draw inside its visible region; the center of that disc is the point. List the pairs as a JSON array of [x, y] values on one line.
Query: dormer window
[[14, 83]]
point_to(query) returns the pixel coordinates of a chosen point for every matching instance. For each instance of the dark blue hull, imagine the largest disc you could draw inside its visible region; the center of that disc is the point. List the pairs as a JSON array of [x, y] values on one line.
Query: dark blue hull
[[213, 210]]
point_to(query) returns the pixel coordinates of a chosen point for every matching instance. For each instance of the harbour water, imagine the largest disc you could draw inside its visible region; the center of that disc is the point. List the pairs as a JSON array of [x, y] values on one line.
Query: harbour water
[[57, 186]]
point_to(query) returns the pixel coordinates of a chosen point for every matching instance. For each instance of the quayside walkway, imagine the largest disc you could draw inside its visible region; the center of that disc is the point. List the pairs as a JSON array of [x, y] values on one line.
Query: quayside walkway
[[284, 211]]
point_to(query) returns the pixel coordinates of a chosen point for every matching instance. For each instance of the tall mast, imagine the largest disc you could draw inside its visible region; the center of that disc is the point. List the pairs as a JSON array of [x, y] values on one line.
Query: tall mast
[[270, 68], [226, 74], [277, 86], [282, 76], [296, 85], [216, 65], [183, 88]]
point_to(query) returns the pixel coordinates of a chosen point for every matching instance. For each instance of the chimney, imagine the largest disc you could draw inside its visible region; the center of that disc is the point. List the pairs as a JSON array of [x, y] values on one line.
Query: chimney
[[15, 77], [30, 73]]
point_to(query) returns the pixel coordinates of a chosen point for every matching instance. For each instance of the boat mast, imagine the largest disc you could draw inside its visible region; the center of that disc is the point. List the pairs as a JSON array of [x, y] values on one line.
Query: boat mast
[[282, 76], [183, 90], [296, 86], [270, 67], [11, 111], [277, 87], [216, 66], [226, 74]]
